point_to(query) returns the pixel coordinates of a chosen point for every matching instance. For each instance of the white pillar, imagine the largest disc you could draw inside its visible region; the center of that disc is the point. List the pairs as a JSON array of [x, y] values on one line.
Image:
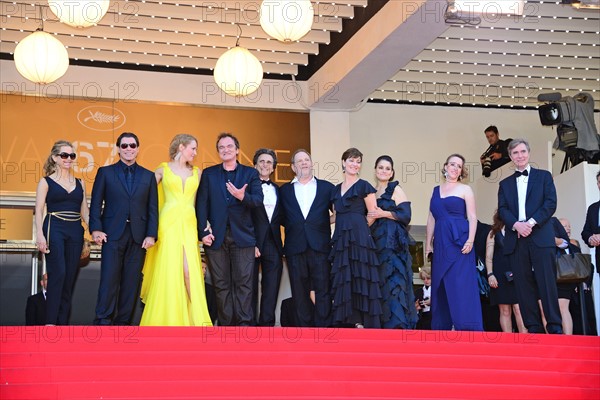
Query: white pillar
[[329, 138]]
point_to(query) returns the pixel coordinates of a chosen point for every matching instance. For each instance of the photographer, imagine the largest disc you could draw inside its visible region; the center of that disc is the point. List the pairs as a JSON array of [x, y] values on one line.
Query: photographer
[[497, 154]]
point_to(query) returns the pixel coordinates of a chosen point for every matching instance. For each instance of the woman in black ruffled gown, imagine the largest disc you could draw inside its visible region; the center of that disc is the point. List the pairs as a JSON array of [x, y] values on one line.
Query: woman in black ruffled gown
[[389, 231], [354, 276]]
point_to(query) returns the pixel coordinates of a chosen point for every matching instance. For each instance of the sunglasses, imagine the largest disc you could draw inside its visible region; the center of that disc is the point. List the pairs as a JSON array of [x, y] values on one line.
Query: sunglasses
[[64, 156], [131, 145]]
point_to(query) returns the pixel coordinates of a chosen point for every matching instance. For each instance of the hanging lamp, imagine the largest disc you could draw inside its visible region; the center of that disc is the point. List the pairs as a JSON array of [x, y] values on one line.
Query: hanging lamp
[[40, 57], [286, 20], [238, 72], [79, 13]]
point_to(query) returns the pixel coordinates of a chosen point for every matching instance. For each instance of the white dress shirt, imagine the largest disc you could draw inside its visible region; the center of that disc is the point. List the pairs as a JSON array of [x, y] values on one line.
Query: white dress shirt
[[522, 192], [269, 199], [426, 295], [305, 194]]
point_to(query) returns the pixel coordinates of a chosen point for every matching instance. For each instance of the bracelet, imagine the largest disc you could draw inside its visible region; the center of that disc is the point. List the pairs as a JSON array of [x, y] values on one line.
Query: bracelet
[[490, 274]]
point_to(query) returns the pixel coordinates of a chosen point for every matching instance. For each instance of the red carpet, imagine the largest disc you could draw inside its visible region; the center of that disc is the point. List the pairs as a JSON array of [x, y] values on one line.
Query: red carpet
[[88, 362]]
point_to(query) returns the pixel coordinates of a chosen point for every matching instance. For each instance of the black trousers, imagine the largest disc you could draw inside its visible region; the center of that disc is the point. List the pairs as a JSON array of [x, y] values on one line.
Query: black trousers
[[535, 277], [271, 266], [310, 271], [62, 266], [120, 278], [232, 269]]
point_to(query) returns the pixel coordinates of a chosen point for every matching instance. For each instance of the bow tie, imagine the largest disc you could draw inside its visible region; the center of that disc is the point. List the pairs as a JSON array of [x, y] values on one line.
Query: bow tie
[[524, 173], [267, 182]]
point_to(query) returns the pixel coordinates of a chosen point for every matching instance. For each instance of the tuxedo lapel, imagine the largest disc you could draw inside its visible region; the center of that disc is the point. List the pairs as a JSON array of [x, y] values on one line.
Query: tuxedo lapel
[[531, 181], [292, 194], [317, 194], [121, 175], [514, 195], [137, 176]]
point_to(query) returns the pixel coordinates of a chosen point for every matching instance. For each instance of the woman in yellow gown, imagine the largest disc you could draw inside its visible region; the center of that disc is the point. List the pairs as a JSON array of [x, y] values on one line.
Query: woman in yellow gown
[[173, 284]]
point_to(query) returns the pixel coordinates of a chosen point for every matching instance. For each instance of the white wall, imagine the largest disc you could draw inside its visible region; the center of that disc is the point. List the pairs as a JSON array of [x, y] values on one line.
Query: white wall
[[419, 139], [580, 181]]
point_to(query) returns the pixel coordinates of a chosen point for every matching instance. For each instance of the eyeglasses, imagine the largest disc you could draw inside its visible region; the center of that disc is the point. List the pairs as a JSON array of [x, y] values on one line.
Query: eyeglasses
[[64, 156], [225, 147], [131, 145]]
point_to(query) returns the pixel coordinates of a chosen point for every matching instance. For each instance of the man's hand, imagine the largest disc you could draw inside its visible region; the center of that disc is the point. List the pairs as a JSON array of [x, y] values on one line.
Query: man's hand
[[522, 228], [99, 237], [208, 239], [235, 192], [594, 240], [148, 242]]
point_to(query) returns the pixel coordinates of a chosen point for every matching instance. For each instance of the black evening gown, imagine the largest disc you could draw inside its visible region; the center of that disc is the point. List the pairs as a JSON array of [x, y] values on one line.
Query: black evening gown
[[354, 275], [395, 263]]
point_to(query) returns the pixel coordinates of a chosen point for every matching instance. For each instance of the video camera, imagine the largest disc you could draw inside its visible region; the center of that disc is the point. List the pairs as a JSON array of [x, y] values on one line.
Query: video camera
[[576, 131]]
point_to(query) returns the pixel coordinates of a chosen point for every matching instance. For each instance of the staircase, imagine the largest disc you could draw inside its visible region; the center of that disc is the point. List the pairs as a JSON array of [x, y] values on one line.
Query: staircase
[[89, 362]]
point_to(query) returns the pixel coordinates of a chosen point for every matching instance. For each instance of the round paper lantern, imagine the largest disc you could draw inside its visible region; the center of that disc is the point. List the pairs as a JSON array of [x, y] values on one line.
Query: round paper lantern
[[286, 21], [41, 58], [79, 13], [238, 72]]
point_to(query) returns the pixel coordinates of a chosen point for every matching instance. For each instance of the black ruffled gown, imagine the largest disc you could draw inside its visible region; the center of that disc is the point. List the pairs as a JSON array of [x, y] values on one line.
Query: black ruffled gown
[[354, 275], [395, 263]]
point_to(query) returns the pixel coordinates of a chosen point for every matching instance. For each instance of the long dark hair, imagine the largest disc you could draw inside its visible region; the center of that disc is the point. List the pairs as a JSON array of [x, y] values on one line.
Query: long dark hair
[[497, 225]]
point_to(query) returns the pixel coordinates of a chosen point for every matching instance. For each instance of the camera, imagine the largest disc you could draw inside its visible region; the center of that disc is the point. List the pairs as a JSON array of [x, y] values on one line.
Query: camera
[[577, 135], [487, 166]]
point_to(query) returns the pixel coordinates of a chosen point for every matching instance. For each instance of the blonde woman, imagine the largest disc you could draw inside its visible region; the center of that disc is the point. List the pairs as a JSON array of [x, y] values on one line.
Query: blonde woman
[[450, 233], [173, 284], [60, 233]]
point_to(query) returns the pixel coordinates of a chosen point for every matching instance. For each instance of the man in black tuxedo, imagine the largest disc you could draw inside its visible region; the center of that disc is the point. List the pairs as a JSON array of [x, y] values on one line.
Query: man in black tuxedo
[[306, 203], [267, 227], [526, 202], [35, 311], [126, 226], [227, 194], [591, 229]]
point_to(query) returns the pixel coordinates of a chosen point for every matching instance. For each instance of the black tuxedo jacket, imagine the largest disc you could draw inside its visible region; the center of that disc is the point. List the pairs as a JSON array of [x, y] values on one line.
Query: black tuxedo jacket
[[212, 205], [35, 311], [262, 226], [140, 206], [313, 232], [591, 227], [540, 205]]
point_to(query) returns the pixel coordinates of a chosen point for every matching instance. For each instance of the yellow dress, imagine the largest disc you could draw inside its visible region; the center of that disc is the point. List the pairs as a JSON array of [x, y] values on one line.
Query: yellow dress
[[163, 286]]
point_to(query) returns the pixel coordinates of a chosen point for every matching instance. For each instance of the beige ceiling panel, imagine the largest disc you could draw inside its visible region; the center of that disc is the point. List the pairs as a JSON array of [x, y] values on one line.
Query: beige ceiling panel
[[513, 47], [530, 37]]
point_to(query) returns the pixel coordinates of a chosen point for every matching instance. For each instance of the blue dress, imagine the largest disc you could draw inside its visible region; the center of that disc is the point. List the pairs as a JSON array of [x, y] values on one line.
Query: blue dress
[[395, 263], [454, 289], [354, 276], [65, 241]]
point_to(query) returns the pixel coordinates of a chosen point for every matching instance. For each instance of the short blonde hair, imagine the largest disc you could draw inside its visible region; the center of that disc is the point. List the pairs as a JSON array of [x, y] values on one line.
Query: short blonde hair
[[425, 272]]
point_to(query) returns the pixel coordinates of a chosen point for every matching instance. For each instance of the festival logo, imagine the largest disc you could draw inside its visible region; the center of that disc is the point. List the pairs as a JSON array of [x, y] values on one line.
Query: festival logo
[[101, 118]]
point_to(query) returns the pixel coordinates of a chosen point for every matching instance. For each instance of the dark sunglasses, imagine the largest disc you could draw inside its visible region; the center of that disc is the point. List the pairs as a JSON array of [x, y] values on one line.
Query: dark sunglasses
[[64, 156], [132, 145]]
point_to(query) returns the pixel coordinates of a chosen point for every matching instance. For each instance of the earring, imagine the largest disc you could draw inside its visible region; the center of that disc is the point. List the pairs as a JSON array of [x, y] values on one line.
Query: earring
[[177, 156]]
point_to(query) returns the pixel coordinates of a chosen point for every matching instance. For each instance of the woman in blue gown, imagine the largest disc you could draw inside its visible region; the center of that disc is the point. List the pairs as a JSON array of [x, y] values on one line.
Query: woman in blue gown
[[389, 231], [354, 276], [451, 229]]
